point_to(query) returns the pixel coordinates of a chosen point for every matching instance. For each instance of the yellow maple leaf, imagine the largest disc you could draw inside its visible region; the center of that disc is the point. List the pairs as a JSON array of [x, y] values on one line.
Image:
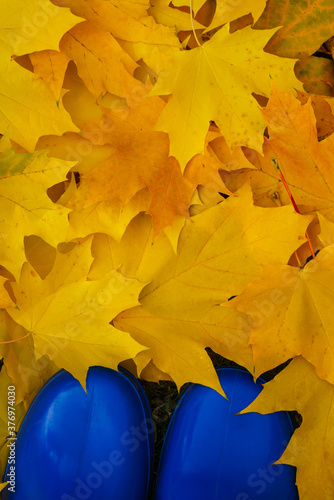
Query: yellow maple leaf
[[310, 449], [163, 13], [137, 113], [112, 193], [195, 4], [219, 252], [28, 106], [148, 255], [27, 374], [5, 300], [323, 108], [155, 56], [28, 210], [219, 77], [50, 65], [2, 486], [135, 30], [109, 194], [106, 216], [305, 162], [227, 11], [40, 254], [126, 21], [68, 316], [39, 27], [140, 160], [102, 63], [153, 374], [291, 313], [177, 341]]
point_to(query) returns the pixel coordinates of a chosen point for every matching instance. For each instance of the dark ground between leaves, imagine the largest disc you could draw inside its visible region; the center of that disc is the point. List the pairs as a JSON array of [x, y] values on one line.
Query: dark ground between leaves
[[164, 397]]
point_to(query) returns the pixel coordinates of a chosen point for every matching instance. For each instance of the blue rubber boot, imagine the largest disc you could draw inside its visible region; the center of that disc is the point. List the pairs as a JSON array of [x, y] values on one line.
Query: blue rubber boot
[[74, 445], [210, 453]]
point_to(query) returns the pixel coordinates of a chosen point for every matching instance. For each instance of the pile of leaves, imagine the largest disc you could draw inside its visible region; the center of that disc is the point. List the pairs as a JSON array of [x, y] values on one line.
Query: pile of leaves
[[167, 186]]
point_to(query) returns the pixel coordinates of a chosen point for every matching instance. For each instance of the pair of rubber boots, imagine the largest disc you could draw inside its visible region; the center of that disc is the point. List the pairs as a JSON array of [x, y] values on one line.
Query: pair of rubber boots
[[99, 445]]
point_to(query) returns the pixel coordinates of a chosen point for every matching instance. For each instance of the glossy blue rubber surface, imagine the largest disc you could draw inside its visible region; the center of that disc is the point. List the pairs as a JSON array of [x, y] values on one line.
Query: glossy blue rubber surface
[[74, 445], [210, 453]]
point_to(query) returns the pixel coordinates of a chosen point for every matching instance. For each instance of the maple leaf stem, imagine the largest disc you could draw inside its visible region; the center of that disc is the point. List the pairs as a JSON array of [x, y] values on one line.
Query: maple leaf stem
[[192, 23], [274, 162], [16, 340], [298, 259]]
